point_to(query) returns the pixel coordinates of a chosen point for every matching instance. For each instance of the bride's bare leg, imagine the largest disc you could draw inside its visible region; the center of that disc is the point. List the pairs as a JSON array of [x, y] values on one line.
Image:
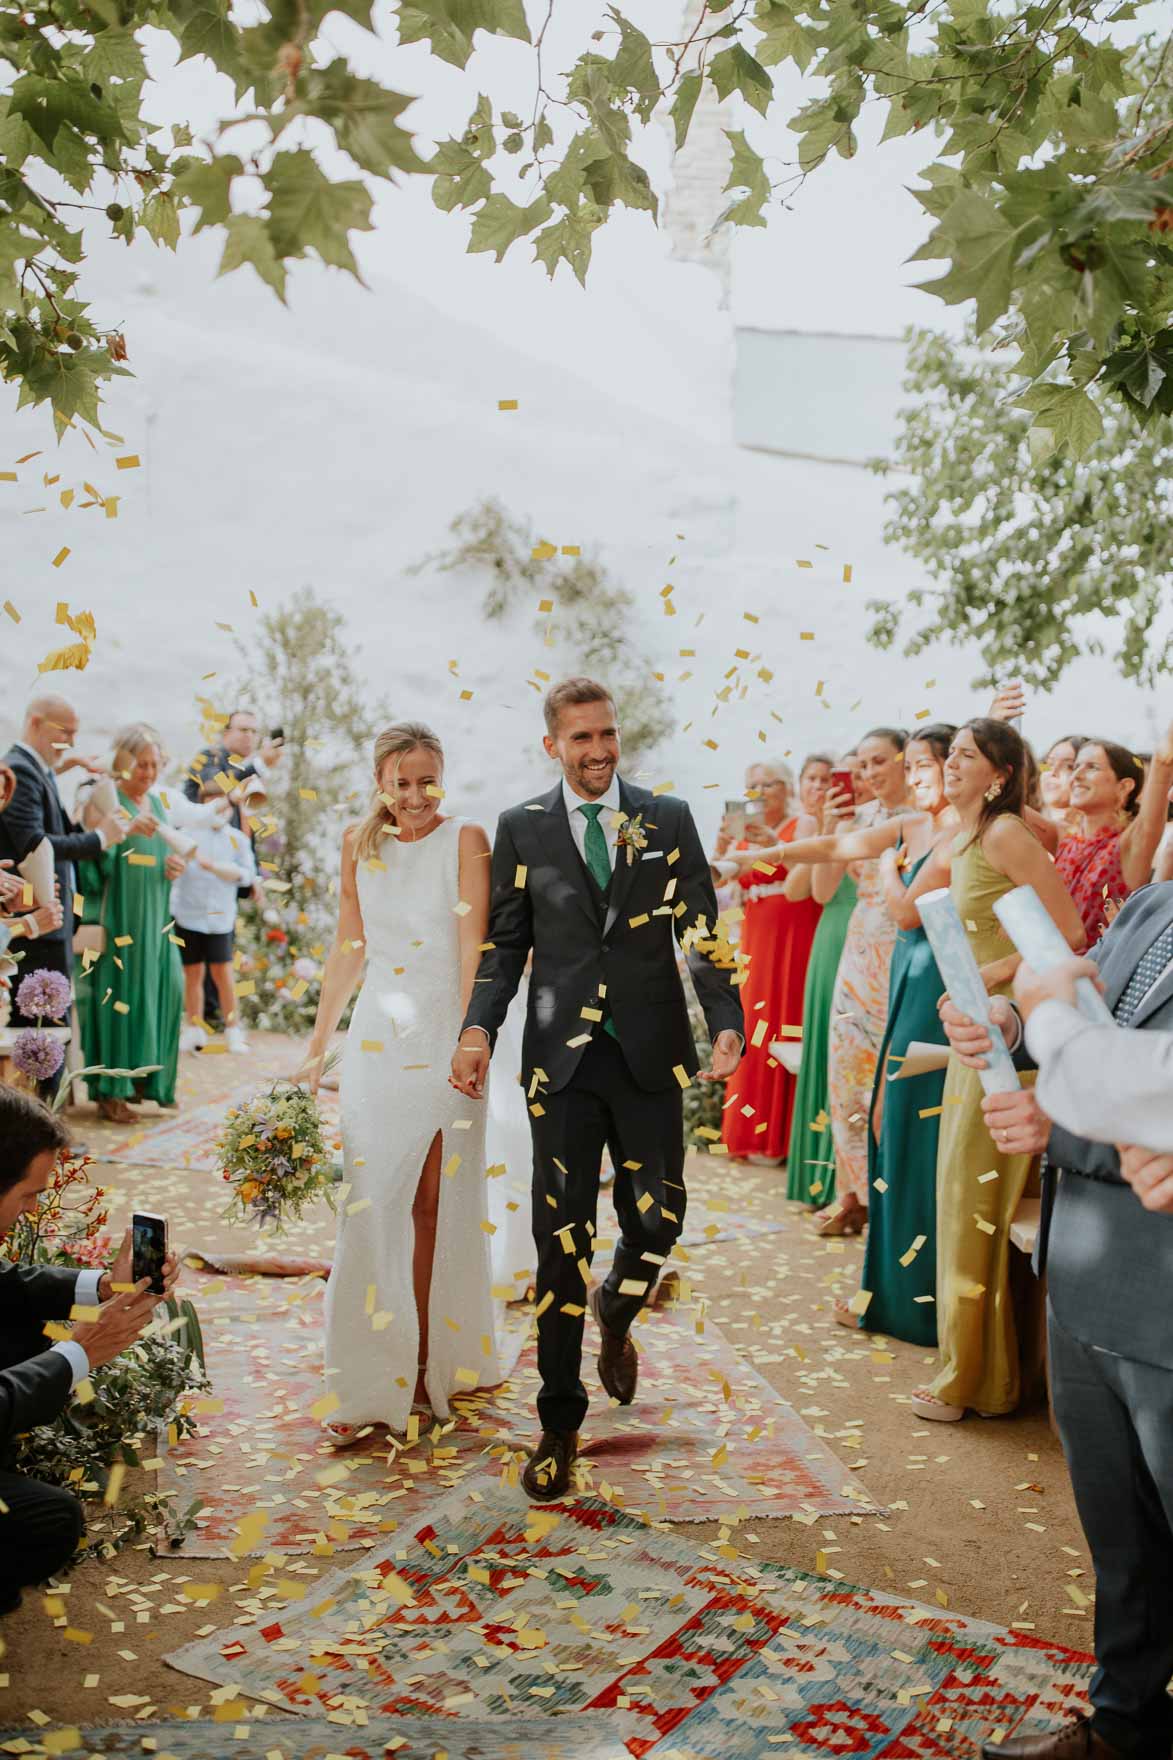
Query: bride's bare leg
[[424, 1211]]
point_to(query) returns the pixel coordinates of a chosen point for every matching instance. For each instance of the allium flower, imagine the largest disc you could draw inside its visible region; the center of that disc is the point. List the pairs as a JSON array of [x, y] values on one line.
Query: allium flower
[[37, 1054], [44, 994]]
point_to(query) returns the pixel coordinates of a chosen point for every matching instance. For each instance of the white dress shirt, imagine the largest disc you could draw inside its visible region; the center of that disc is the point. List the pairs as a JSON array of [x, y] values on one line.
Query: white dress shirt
[[608, 818], [85, 1295], [1108, 1084]]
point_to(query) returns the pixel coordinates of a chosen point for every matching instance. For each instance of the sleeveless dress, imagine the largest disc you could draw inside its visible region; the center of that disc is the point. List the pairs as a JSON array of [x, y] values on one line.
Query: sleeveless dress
[[1091, 871], [902, 1166], [395, 1097], [975, 1319], [776, 937], [859, 1014], [810, 1162]]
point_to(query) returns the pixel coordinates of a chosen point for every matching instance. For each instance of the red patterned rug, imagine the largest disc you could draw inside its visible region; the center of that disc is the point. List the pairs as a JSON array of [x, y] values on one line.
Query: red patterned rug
[[489, 1607], [706, 1438]]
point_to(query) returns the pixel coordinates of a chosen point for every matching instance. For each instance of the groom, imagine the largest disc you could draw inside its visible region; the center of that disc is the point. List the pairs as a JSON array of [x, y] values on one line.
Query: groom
[[597, 877]]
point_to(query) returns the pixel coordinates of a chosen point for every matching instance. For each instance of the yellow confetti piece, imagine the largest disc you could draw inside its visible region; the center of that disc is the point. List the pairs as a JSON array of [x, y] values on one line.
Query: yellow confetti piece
[[507, 403], [371, 1045], [114, 1484], [806, 635], [122, 1008], [8, 477], [804, 565], [60, 556], [519, 875], [10, 608], [682, 1075], [128, 462]]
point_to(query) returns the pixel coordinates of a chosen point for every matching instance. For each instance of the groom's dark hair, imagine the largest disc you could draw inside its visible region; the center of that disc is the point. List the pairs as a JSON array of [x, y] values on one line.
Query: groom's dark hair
[[570, 691]]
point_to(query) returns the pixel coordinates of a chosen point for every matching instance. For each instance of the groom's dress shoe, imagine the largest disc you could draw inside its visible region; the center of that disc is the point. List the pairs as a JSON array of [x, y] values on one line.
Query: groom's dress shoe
[[1071, 1741], [618, 1360], [547, 1472]]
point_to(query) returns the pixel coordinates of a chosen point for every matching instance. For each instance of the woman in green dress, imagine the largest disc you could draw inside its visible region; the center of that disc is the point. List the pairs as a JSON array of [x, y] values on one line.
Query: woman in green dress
[[978, 1186], [130, 998]]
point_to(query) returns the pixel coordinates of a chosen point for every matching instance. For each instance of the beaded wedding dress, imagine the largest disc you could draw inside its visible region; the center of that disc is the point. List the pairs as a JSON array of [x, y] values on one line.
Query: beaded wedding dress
[[395, 1098]]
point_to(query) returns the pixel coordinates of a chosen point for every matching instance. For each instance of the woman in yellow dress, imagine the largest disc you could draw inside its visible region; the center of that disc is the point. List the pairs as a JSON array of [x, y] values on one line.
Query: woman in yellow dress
[[979, 1189]]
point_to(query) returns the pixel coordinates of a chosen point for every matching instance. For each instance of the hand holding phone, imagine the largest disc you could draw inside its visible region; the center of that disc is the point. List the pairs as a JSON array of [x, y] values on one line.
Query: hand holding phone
[[149, 1238], [734, 823]]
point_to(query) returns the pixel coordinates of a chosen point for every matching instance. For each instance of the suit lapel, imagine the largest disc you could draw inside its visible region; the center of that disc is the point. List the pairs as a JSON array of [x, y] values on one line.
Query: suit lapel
[[554, 830], [1158, 996], [624, 872]]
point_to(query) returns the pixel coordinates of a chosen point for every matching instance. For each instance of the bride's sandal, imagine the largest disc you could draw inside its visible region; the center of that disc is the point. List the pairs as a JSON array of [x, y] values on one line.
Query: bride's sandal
[[845, 1315], [340, 1435]]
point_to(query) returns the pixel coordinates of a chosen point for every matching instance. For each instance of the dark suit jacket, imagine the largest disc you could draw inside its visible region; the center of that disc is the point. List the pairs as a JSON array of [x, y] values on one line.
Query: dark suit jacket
[[1109, 1261], [35, 811], [543, 897], [35, 1381]]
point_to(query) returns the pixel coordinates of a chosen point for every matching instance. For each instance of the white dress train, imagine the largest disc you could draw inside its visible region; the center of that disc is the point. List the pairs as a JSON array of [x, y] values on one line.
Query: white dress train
[[395, 1098]]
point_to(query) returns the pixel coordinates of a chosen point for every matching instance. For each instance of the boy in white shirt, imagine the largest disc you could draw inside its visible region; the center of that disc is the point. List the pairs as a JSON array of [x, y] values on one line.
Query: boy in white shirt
[[203, 901]]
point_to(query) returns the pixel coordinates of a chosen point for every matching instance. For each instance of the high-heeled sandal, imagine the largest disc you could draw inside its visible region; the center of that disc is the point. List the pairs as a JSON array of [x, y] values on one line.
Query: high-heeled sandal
[[844, 1315], [834, 1221], [341, 1435], [116, 1112], [927, 1405]]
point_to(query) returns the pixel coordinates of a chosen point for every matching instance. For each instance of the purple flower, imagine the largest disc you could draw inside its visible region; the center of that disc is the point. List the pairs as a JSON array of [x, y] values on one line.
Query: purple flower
[[44, 994], [37, 1054]]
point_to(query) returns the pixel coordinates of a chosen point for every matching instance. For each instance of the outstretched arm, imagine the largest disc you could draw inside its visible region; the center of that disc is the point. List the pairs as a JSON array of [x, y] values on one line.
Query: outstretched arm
[[855, 845], [1141, 839], [719, 1000], [344, 964]]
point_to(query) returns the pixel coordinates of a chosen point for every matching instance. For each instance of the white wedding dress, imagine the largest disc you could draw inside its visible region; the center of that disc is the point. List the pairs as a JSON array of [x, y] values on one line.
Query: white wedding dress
[[395, 1097]]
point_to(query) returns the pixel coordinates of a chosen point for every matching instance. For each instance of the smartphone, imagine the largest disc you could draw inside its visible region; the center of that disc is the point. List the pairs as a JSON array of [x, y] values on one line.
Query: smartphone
[[277, 734], [149, 1238], [735, 816], [845, 780]]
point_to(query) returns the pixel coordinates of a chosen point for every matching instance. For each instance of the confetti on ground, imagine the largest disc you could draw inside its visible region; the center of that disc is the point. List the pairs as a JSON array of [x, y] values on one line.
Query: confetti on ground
[[590, 1736]]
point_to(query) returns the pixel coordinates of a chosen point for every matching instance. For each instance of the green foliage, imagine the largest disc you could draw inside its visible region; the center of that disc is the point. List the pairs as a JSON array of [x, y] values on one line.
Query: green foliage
[[1032, 534], [591, 621], [1050, 197]]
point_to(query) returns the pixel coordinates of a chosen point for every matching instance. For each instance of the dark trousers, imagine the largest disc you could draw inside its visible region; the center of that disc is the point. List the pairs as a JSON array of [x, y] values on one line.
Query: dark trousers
[[40, 1526], [1115, 1417], [600, 1107]]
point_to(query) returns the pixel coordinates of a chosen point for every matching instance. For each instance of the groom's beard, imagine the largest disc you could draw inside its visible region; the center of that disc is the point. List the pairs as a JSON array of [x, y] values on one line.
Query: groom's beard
[[591, 782]]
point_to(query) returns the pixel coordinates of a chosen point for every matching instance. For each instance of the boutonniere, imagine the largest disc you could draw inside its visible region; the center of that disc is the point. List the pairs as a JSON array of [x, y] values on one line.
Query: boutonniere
[[632, 837]]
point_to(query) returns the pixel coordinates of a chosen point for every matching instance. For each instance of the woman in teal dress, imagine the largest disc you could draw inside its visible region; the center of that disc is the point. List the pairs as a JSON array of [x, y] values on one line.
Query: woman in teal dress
[[130, 999], [810, 1160]]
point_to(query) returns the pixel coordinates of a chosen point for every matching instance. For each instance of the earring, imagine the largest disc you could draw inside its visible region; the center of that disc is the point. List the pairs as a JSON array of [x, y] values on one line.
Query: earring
[[993, 792]]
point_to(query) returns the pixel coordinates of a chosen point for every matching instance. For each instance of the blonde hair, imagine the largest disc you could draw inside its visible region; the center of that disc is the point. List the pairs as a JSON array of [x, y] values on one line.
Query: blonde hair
[[129, 742], [395, 741]]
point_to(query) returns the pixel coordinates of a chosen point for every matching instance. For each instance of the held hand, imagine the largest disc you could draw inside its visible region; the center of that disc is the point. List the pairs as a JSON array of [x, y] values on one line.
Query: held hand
[[758, 832], [142, 825], [1017, 1122], [11, 885], [470, 1066], [121, 1271], [119, 1323], [174, 866], [969, 1038], [75, 761], [1150, 1175], [44, 919], [1009, 703], [1057, 985], [271, 751], [725, 1057], [310, 1074], [838, 805]]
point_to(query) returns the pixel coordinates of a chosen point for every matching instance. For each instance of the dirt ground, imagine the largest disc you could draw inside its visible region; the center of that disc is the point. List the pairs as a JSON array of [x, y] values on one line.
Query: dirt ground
[[980, 1513]]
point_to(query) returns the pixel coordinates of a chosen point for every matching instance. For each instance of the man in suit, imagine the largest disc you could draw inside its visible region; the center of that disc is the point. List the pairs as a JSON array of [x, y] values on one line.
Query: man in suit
[[36, 811], [597, 878], [1109, 1265], [40, 1525]]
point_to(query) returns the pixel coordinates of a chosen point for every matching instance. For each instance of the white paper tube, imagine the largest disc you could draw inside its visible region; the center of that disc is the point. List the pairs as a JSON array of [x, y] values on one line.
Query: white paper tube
[[1039, 940], [180, 841], [963, 980], [38, 869]]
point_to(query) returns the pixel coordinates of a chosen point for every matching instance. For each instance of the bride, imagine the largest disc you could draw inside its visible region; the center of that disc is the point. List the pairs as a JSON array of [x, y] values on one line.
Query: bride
[[410, 1316]]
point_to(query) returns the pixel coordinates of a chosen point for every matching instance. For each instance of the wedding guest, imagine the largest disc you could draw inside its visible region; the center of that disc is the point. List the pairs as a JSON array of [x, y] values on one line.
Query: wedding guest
[[240, 753], [814, 779], [203, 901], [859, 1007], [1055, 779], [774, 947], [130, 997], [1122, 816], [810, 1161], [1108, 1258], [41, 1525], [35, 811], [994, 850]]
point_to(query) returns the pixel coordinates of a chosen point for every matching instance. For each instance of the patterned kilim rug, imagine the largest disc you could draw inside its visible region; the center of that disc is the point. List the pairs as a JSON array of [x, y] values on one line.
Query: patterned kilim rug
[[595, 1736], [707, 1436], [189, 1139], [491, 1607]]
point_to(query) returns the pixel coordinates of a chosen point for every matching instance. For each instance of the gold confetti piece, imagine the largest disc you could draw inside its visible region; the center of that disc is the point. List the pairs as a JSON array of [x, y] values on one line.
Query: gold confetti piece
[[806, 635], [60, 556], [519, 875], [10, 608], [371, 1045], [507, 403], [128, 462], [65, 1741], [986, 1227], [804, 565], [122, 1008], [682, 1075], [322, 1408], [138, 860], [8, 477], [114, 1484], [571, 550], [462, 909]]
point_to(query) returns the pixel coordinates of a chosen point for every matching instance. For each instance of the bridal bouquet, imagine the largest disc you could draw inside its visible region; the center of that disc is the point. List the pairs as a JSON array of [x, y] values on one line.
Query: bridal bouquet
[[273, 1154]]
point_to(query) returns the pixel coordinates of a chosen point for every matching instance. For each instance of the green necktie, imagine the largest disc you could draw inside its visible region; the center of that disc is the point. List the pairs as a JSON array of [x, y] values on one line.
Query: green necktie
[[595, 848], [599, 863]]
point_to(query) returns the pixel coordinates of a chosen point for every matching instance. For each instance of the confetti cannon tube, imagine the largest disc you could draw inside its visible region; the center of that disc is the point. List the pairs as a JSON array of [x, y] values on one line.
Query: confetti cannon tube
[[963, 980], [1039, 940], [37, 869], [102, 803]]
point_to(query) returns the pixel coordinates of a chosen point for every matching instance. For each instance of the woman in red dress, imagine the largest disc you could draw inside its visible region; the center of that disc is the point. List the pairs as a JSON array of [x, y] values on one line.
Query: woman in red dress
[[776, 936], [1121, 826]]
